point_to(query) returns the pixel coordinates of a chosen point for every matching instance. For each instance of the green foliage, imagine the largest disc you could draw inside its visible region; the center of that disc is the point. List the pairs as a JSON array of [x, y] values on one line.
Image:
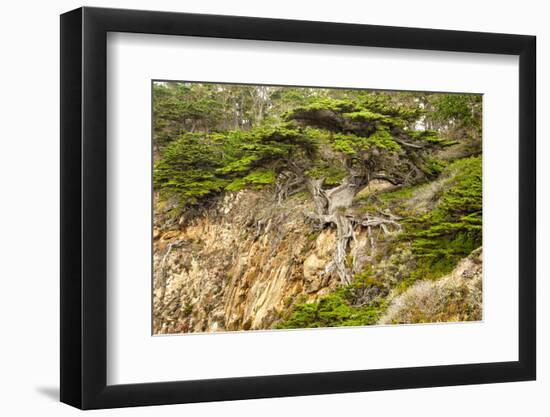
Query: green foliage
[[454, 228], [312, 237], [333, 173], [433, 167], [431, 136], [181, 108], [451, 228], [457, 112], [339, 308], [359, 106], [357, 116], [351, 144], [332, 311], [402, 106], [447, 300], [364, 126], [460, 107], [196, 166], [324, 103], [256, 179], [211, 138], [382, 139], [399, 194], [188, 168], [391, 199], [425, 135], [187, 309], [464, 198], [366, 286], [366, 116]]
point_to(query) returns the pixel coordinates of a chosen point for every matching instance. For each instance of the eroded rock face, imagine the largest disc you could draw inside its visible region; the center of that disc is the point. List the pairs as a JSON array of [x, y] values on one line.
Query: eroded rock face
[[239, 266], [245, 261]]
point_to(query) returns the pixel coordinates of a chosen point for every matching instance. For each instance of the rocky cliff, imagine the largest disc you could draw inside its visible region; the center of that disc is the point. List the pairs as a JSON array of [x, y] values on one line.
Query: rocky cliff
[[249, 261], [297, 207], [240, 265]]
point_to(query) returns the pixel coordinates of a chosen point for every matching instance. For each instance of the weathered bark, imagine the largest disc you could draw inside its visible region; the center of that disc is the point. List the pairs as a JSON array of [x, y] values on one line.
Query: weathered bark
[[318, 194], [288, 184], [330, 209], [344, 230], [342, 195]]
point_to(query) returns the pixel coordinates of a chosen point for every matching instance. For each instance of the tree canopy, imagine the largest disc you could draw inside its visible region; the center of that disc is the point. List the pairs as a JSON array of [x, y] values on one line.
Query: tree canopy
[[212, 138]]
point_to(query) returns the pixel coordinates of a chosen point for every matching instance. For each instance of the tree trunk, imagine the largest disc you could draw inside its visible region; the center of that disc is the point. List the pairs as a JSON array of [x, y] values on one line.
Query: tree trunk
[[329, 205], [330, 209]]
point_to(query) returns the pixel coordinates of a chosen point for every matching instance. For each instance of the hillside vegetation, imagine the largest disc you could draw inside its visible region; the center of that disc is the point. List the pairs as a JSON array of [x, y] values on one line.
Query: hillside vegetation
[[280, 207]]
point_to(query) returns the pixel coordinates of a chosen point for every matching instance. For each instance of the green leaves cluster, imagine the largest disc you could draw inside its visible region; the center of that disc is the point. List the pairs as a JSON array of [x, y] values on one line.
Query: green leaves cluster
[[367, 125], [181, 108], [456, 114], [188, 168], [333, 310], [256, 179], [195, 165], [331, 171], [360, 303], [211, 138], [454, 228], [463, 109]]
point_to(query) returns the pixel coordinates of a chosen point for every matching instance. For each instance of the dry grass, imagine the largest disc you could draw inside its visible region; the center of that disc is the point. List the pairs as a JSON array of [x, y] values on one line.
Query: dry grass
[[455, 297]]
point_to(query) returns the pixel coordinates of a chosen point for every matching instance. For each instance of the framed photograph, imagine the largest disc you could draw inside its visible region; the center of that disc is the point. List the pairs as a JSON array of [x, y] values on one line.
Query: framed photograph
[[257, 208]]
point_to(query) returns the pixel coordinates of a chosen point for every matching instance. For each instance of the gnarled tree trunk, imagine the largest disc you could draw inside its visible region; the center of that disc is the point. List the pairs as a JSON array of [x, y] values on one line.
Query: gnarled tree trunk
[[330, 208]]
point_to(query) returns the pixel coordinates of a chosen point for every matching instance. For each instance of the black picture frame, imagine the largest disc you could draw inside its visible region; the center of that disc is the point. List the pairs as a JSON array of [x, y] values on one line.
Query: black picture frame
[[84, 207]]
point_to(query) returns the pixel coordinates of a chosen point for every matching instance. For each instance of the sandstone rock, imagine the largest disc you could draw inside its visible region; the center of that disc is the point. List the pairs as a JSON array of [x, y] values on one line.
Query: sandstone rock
[[240, 270], [170, 235]]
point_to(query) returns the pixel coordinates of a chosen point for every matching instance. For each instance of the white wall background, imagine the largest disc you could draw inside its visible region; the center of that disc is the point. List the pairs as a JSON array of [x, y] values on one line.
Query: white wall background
[[29, 175]]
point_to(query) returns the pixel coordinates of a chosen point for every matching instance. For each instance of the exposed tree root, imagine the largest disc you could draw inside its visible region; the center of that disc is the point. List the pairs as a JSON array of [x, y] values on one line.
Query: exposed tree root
[[288, 183], [330, 210]]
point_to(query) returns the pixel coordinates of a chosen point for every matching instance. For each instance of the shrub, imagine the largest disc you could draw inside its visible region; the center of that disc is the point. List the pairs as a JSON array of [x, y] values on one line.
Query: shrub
[[343, 307], [453, 229], [197, 166]]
